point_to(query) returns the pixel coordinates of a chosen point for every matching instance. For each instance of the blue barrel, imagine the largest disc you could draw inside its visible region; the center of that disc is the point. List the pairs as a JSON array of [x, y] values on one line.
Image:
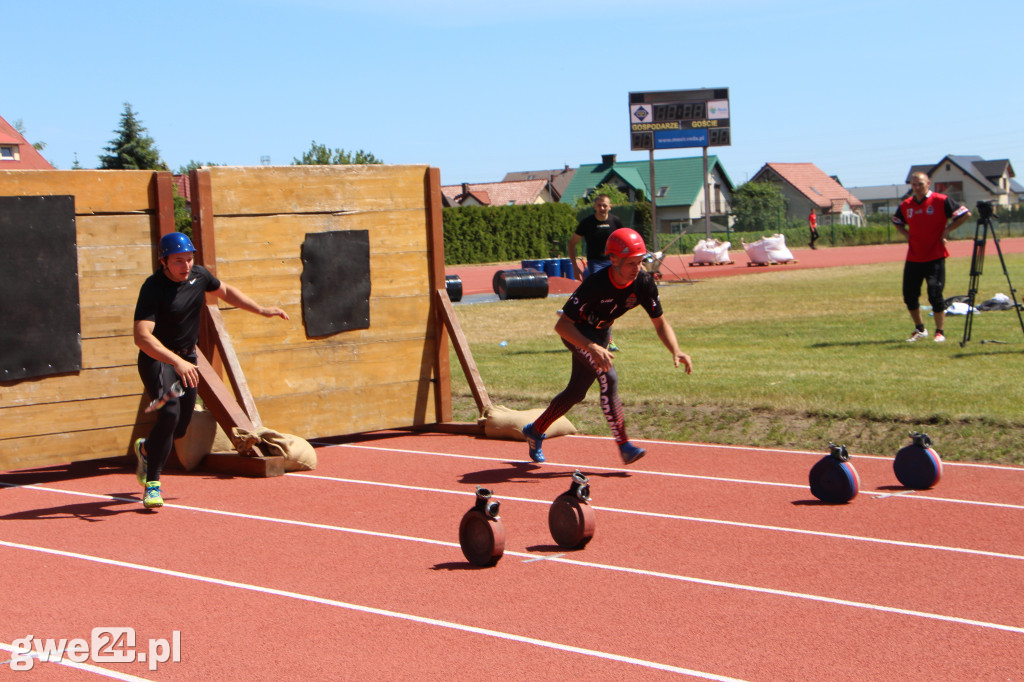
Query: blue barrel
[[566, 266], [552, 268], [537, 265]]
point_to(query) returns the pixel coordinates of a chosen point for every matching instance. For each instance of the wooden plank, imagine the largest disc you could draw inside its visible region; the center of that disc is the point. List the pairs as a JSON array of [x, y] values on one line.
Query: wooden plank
[[230, 359], [335, 413], [469, 368], [329, 368], [315, 189], [162, 187], [280, 280], [119, 230], [239, 465], [390, 318], [62, 448], [440, 362], [253, 237], [219, 401], [203, 235], [60, 390], [95, 191], [20, 421]]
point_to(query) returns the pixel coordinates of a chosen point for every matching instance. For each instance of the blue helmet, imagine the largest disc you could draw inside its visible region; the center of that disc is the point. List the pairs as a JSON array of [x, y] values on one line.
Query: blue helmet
[[175, 242]]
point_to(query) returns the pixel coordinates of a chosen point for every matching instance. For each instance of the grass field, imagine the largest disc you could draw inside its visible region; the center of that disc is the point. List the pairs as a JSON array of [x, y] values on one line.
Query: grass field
[[791, 359]]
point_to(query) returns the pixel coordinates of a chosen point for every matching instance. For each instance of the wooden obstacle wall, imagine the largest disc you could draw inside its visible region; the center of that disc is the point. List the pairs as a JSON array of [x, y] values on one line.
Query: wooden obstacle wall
[[92, 413], [249, 226], [385, 376]]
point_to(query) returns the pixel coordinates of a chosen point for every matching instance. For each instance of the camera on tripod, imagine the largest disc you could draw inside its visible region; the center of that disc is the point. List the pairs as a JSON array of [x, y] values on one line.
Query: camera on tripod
[[985, 209]]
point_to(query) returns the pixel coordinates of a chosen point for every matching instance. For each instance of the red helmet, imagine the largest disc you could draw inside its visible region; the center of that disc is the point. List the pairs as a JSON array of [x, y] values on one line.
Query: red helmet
[[625, 242]]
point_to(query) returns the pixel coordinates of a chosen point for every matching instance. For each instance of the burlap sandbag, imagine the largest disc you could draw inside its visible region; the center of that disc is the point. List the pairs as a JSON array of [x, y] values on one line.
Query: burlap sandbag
[[299, 455], [507, 424]]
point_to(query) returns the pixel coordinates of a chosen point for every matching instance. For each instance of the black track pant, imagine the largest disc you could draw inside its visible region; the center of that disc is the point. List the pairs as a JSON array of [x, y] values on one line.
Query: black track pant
[[934, 274], [584, 374], [172, 419]]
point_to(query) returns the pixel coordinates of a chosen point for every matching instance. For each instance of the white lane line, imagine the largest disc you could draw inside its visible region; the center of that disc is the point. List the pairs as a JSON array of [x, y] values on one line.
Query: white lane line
[[745, 448], [88, 667], [695, 519], [573, 562], [671, 474], [435, 622]]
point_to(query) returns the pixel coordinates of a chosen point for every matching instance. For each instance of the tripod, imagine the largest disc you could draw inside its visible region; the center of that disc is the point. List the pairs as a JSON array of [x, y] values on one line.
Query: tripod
[[981, 231]]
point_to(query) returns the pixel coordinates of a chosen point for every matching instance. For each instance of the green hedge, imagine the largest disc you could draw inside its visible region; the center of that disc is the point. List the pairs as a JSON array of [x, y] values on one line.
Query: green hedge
[[499, 234]]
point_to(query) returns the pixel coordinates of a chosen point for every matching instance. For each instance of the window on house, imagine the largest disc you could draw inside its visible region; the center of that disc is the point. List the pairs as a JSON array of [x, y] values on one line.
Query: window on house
[[677, 227], [662, 191], [9, 152]]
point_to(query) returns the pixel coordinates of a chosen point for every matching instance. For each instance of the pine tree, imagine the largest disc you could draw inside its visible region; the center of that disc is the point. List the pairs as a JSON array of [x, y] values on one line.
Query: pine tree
[[132, 149]]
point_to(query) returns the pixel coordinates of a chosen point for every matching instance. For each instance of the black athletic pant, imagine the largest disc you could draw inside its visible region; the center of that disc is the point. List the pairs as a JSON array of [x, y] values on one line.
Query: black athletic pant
[[172, 419], [934, 274], [584, 374]]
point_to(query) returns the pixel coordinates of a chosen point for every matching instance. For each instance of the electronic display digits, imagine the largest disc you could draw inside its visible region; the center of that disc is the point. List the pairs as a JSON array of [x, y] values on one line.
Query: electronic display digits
[[672, 119], [680, 111], [718, 137], [643, 141]]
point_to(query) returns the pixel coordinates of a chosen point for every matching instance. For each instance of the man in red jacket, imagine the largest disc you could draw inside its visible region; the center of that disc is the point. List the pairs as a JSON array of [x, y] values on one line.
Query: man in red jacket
[[926, 218]]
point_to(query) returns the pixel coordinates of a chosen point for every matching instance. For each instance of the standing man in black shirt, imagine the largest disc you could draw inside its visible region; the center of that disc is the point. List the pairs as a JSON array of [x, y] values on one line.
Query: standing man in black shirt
[[585, 328], [595, 229], [166, 332]]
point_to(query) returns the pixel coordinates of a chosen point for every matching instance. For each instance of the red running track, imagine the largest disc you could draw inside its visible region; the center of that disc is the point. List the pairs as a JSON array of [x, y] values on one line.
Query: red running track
[[477, 279], [707, 561]]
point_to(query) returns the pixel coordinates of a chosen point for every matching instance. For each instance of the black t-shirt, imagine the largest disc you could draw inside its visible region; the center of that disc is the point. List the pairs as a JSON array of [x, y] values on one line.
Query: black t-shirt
[[174, 307], [597, 303], [596, 233]]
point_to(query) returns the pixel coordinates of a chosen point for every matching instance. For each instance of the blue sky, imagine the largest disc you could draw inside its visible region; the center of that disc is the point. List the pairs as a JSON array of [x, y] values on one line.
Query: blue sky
[[862, 88]]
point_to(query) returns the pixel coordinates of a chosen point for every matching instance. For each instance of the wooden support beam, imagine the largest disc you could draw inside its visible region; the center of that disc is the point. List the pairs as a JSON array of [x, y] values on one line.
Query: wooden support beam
[[219, 401], [451, 323], [221, 404], [236, 376], [435, 236]]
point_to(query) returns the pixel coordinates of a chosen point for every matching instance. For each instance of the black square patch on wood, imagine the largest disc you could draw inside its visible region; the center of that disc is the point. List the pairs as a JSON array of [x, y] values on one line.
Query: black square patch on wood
[[40, 315], [336, 281]]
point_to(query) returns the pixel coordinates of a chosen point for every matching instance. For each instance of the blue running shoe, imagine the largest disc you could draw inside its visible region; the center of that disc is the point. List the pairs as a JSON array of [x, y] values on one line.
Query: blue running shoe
[[140, 467], [534, 439], [152, 499], [630, 453]]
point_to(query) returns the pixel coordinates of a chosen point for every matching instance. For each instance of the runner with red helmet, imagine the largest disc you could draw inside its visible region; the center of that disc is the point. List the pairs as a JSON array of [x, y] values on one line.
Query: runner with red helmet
[[585, 328]]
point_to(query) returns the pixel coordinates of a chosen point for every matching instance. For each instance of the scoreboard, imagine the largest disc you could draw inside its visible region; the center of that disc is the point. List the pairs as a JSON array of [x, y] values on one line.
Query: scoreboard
[[672, 119]]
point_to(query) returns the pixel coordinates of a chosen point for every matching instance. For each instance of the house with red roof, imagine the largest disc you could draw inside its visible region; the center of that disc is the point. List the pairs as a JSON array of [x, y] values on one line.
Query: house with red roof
[[807, 187], [517, 193], [970, 179], [16, 153]]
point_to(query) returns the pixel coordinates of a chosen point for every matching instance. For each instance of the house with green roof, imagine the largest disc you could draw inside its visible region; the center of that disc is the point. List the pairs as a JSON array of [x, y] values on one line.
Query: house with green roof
[[678, 190]]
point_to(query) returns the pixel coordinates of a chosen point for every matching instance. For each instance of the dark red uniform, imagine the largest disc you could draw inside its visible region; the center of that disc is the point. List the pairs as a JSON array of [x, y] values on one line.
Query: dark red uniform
[[593, 307]]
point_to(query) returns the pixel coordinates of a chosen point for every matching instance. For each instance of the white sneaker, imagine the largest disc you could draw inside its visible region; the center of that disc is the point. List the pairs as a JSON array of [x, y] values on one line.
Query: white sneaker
[[918, 335], [940, 337]]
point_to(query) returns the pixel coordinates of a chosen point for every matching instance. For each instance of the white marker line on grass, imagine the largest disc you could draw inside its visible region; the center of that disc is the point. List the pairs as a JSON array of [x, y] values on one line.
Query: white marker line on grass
[[497, 634], [573, 562], [672, 474]]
